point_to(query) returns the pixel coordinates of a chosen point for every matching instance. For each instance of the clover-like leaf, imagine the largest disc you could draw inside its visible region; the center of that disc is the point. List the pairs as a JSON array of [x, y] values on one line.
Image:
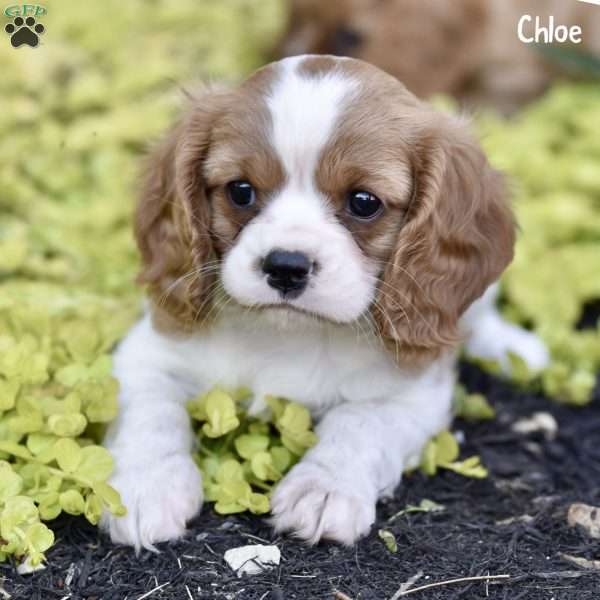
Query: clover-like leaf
[[470, 467], [256, 503], [93, 509], [446, 448], [282, 458], [67, 425], [263, 467], [68, 455], [72, 502], [15, 449], [221, 414], [472, 407], [39, 538], [247, 445], [8, 393], [96, 463], [388, 538], [110, 498], [11, 483]]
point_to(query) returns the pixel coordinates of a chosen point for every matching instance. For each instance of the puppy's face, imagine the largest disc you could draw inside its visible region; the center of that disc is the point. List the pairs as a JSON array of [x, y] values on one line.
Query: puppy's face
[[322, 186], [307, 201]]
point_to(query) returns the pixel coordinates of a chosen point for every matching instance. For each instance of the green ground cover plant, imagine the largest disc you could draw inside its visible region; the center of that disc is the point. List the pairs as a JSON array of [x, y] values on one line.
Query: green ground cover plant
[[77, 112]]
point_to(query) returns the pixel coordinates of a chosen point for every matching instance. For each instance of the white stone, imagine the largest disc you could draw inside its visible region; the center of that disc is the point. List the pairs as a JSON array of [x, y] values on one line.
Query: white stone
[[25, 568], [540, 421], [253, 559]]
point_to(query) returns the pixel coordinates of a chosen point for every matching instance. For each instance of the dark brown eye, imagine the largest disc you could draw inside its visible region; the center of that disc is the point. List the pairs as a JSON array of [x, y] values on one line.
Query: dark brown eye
[[364, 205], [345, 40], [241, 193]]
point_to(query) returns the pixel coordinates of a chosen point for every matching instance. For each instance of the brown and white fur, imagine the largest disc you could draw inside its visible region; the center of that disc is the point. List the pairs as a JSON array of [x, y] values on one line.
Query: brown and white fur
[[369, 345], [467, 48]]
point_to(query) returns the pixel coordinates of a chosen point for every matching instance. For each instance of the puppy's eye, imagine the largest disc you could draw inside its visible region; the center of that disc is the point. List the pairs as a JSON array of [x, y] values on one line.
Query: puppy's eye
[[241, 193], [364, 205]]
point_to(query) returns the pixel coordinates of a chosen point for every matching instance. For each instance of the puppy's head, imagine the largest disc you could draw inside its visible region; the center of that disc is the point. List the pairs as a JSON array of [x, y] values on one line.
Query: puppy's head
[[322, 186]]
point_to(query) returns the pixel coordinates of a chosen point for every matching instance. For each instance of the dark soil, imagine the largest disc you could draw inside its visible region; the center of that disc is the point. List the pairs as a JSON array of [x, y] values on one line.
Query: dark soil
[[529, 475]]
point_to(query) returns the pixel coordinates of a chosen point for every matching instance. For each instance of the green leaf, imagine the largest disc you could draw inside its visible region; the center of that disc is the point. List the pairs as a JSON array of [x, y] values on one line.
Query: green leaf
[[389, 540], [263, 467], [197, 408], [446, 448], [470, 467], [221, 414], [294, 425], [18, 512], [68, 455], [67, 425], [295, 419], [93, 509], [247, 445], [72, 374], [428, 458], [11, 483], [8, 393], [282, 458], [257, 504], [50, 511], [233, 496], [99, 399], [15, 449], [424, 506], [277, 406], [229, 470], [38, 443], [472, 407], [96, 463], [110, 498], [72, 502], [39, 539]]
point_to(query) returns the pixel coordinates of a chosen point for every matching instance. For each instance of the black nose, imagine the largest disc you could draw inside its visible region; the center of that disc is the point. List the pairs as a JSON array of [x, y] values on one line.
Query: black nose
[[287, 271]]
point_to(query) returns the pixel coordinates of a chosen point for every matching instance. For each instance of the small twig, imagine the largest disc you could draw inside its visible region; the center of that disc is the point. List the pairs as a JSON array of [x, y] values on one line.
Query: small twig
[[407, 585], [156, 589], [187, 589], [255, 537], [399, 594], [340, 595]]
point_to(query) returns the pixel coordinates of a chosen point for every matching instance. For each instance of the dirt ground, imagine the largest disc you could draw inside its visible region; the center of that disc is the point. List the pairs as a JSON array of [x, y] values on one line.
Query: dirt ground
[[529, 475]]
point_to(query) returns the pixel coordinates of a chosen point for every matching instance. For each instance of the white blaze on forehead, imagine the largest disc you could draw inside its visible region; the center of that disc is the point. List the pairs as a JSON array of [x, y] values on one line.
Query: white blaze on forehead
[[304, 110]]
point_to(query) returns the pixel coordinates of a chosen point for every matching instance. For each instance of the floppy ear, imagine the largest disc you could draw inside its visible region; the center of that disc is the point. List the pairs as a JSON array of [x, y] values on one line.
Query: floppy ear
[[457, 239], [172, 222]]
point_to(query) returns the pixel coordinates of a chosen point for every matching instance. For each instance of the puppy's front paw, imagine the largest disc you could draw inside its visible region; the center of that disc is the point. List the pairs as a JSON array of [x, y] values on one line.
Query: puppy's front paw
[[316, 504], [160, 498]]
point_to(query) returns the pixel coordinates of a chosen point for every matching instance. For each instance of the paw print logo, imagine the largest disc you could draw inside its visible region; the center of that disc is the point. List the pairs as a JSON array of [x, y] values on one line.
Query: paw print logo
[[24, 31]]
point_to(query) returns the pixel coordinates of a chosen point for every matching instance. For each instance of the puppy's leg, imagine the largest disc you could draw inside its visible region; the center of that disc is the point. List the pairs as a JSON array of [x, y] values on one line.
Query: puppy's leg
[[151, 441], [362, 451], [491, 337]]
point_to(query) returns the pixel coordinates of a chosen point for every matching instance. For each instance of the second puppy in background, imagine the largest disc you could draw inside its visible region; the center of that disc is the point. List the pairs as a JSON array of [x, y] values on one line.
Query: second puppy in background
[[468, 48]]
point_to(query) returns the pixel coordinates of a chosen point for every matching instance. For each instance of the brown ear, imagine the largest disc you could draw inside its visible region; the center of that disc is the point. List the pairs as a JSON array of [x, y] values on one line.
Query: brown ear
[[457, 239], [172, 222]]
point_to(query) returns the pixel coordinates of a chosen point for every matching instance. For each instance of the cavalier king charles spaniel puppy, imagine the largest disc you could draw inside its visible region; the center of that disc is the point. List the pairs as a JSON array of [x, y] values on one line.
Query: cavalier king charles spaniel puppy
[[317, 233]]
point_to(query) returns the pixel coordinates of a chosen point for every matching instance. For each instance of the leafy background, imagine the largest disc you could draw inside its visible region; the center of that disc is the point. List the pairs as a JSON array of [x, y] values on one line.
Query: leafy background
[[77, 113]]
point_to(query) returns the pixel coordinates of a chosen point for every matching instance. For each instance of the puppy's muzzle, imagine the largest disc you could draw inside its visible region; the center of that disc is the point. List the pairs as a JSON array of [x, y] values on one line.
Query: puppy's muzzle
[[287, 272]]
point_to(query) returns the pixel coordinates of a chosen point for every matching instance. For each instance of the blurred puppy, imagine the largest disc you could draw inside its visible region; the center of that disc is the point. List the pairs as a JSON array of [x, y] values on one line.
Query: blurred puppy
[[319, 234], [468, 48]]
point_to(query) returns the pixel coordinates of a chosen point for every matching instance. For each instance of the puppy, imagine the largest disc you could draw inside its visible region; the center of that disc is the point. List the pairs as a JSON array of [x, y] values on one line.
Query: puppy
[[319, 234], [467, 48]]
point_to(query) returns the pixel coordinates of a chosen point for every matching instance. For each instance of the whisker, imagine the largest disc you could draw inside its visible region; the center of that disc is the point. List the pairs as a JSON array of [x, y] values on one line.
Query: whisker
[[199, 271]]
